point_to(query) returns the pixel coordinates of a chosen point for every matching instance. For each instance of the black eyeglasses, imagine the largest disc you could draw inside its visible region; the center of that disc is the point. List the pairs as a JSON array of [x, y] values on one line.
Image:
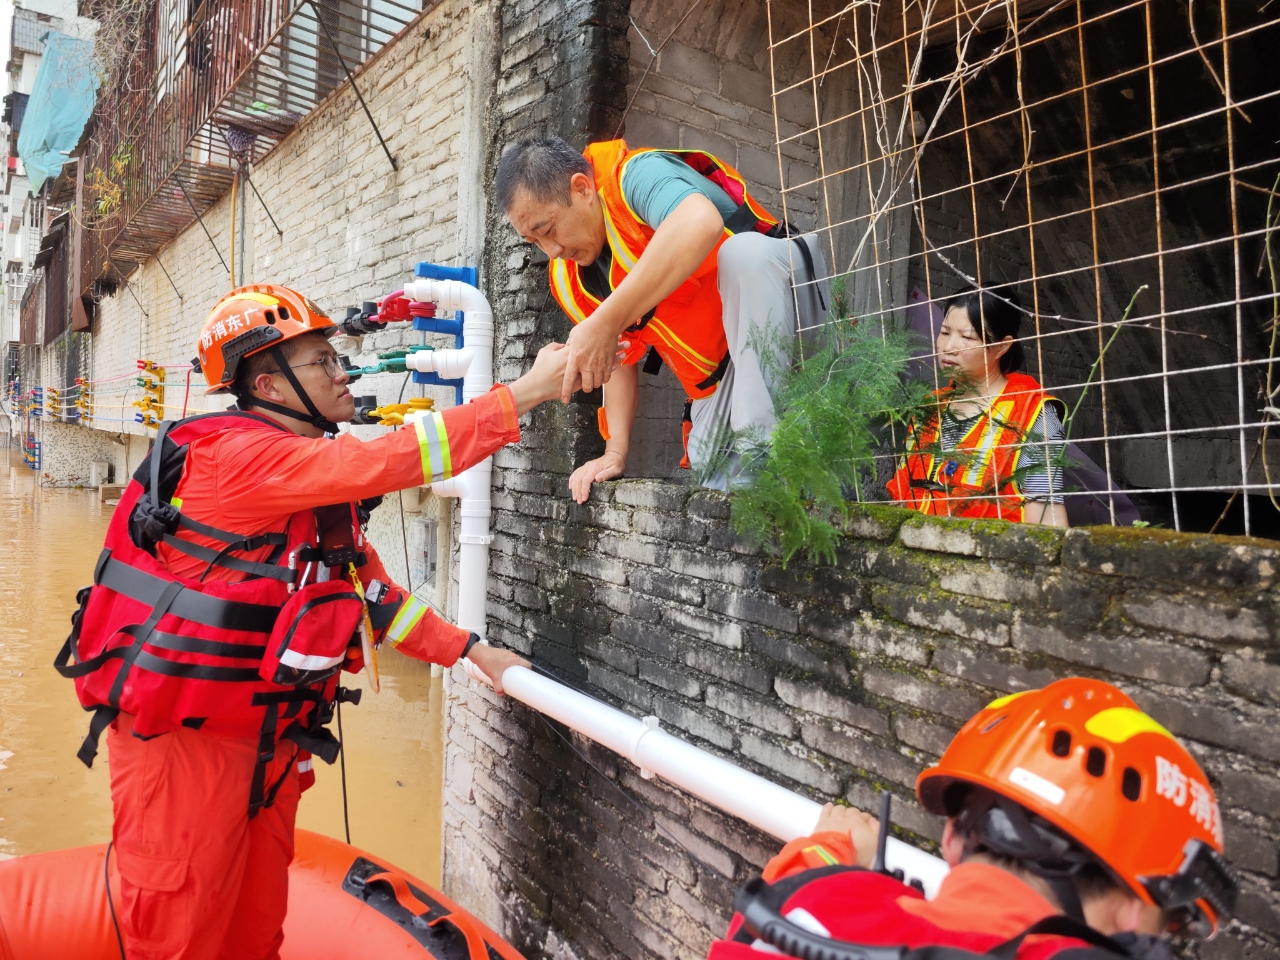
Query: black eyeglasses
[[331, 363]]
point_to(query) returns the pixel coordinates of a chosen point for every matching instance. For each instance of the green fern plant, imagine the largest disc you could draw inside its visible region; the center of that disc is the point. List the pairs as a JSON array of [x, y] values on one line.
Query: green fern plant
[[834, 405]]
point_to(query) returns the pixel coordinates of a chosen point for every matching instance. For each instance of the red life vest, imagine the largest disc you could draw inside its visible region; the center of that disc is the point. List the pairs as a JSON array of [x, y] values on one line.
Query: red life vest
[[859, 909], [981, 481], [259, 655]]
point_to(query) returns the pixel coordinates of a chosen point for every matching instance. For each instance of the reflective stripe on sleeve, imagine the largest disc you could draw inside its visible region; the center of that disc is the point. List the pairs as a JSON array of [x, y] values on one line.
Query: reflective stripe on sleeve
[[408, 617], [822, 854], [304, 766], [433, 444]]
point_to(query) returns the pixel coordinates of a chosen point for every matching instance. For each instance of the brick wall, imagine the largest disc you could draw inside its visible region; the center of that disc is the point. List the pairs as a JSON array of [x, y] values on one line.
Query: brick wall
[[835, 681]]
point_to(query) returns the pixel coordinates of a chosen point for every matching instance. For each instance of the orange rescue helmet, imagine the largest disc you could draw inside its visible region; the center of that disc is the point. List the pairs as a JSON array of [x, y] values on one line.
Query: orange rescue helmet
[[1081, 755], [250, 319]]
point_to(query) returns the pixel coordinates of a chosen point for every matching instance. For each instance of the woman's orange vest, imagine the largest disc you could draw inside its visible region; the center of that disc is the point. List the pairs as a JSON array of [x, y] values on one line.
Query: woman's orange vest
[[687, 328], [977, 478]]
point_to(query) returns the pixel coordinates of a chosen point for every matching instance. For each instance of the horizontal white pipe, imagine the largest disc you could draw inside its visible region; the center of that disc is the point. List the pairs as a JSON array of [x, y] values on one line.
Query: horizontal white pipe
[[450, 364], [758, 801]]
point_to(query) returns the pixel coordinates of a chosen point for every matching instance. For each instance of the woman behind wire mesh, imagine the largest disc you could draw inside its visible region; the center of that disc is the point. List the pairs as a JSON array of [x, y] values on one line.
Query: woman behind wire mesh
[[995, 447]]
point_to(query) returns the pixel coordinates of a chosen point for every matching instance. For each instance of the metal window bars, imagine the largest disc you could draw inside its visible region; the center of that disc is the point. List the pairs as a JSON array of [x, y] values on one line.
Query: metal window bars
[[1078, 150]]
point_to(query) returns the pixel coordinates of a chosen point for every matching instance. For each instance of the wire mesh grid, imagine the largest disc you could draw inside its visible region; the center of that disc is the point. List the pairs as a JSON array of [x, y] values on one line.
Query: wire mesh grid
[[1077, 153]]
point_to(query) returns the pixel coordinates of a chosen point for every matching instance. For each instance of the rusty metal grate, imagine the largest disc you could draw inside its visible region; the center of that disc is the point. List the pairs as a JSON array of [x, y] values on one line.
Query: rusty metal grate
[[1078, 150]]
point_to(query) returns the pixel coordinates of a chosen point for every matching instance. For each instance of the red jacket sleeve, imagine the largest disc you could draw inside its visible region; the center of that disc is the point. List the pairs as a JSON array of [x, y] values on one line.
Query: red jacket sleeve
[[824, 849], [265, 473], [416, 630]]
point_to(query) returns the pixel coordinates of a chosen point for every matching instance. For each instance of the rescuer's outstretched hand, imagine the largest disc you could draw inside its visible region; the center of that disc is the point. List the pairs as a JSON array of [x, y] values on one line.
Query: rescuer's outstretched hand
[[492, 661], [862, 828], [548, 375]]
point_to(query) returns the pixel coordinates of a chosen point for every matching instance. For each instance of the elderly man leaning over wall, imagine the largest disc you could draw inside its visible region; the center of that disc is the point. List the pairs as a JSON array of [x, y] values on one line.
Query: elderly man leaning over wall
[[669, 248]]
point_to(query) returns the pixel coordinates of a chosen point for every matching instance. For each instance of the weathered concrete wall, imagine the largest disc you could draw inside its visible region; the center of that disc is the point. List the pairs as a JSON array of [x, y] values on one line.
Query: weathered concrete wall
[[835, 681]]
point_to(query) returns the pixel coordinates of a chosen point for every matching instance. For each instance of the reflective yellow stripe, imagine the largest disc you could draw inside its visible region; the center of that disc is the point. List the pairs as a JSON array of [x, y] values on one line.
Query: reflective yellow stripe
[[822, 853], [565, 291], [433, 445], [620, 250], [997, 418], [406, 619], [666, 333]]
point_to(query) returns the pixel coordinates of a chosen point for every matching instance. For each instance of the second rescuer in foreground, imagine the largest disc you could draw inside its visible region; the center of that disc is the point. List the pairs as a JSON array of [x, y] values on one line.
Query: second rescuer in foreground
[[213, 717], [1077, 827]]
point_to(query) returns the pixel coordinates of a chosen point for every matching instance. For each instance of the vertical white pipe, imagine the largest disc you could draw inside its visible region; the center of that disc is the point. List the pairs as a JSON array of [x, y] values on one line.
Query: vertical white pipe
[[474, 486]]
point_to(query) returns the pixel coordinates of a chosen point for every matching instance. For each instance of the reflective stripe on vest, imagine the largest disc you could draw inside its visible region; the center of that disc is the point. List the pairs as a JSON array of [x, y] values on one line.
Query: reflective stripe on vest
[[687, 328], [990, 451]]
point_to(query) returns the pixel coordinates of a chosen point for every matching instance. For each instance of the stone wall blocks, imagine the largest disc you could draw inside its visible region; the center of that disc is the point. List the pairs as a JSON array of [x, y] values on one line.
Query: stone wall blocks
[[1130, 656], [796, 766], [759, 713], [722, 633], [656, 640], [661, 496], [694, 67], [990, 669], [659, 583], [922, 734], [1200, 559], [721, 569], [747, 86], [708, 854], [622, 687], [670, 527], [616, 656], [1247, 850], [627, 603], [1254, 791], [753, 609], [723, 538], [1250, 674], [825, 583], [599, 568], [816, 699], [808, 657], [692, 721], [869, 634], [708, 504], [934, 610], [752, 845], [936, 696], [995, 539], [736, 669], [1197, 617], [843, 744], [670, 678], [1249, 733]]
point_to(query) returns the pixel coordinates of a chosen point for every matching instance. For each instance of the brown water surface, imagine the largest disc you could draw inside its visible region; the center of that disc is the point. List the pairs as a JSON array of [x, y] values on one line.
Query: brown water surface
[[49, 540]]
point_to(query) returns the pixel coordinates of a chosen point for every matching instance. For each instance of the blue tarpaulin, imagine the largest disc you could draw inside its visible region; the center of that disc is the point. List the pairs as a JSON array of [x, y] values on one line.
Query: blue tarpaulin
[[59, 107]]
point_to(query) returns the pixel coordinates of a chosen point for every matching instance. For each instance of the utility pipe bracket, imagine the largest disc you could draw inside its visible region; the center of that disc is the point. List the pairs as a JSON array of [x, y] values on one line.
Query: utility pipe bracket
[[483, 540], [650, 723]]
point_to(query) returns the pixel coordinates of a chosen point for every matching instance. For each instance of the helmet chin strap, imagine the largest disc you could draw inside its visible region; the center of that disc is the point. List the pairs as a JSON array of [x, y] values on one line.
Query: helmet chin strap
[[312, 416]]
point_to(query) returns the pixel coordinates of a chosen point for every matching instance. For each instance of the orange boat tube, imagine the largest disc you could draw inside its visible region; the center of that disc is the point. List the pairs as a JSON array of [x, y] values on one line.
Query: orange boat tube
[[343, 904]]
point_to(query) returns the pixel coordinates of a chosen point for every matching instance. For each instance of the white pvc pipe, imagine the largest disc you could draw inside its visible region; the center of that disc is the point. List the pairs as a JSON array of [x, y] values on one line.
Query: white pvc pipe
[[450, 364], [474, 362], [771, 808]]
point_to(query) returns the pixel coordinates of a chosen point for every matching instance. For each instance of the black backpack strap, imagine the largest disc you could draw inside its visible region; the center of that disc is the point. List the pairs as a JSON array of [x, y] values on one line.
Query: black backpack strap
[[102, 717], [807, 256], [717, 374], [142, 633], [266, 753], [189, 605], [1056, 925]]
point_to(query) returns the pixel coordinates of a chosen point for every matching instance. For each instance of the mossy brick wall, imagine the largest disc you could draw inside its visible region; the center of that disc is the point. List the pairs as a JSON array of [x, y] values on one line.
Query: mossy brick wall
[[835, 681]]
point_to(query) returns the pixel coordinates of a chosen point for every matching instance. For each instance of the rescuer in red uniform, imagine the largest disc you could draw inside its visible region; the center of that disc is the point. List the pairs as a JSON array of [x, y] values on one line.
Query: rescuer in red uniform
[[1076, 826], [214, 656]]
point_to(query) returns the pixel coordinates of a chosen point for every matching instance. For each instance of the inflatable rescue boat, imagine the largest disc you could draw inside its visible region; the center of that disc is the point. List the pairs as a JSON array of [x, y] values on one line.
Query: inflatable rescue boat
[[343, 904]]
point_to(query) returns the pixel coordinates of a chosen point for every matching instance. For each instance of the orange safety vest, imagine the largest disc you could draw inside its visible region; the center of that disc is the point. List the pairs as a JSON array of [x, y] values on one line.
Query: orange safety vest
[[687, 328], [980, 483]]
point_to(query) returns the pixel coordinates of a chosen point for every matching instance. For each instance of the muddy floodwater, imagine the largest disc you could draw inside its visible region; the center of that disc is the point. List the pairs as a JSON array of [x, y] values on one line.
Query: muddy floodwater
[[49, 540]]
